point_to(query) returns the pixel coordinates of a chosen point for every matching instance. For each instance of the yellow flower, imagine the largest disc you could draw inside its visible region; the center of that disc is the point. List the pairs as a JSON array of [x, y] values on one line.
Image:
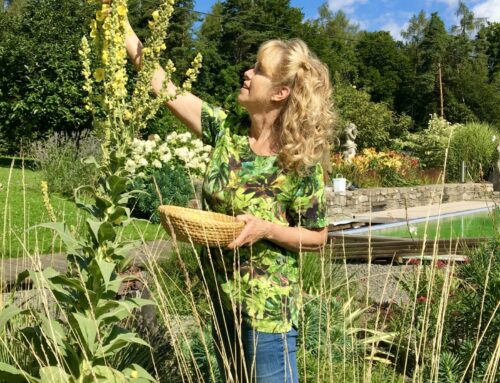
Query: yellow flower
[[100, 16], [105, 57], [127, 115], [122, 10], [93, 29], [155, 15], [99, 74], [134, 374]]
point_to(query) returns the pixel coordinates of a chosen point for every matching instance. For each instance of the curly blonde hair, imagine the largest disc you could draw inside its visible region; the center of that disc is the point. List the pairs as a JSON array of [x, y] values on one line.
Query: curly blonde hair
[[306, 118]]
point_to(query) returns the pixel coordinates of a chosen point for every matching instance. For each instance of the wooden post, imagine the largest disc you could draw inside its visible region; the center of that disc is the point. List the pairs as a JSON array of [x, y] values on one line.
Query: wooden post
[[441, 101]]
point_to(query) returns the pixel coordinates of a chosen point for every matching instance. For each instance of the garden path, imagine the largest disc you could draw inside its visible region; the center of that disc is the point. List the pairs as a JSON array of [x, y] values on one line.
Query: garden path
[[152, 251]]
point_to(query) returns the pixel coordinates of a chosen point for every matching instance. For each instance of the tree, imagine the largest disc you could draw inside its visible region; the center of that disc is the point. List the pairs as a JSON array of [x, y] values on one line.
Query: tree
[[244, 25], [40, 80], [332, 37], [468, 22], [381, 66]]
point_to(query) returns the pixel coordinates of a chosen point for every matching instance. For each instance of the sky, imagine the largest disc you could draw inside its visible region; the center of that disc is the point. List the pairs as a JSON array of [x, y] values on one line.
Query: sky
[[389, 15]]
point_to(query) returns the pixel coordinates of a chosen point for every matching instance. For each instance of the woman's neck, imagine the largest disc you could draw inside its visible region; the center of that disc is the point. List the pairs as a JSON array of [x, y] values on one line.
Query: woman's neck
[[262, 137]]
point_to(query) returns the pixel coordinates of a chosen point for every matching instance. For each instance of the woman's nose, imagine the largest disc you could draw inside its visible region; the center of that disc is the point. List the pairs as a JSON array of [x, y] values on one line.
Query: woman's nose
[[248, 74]]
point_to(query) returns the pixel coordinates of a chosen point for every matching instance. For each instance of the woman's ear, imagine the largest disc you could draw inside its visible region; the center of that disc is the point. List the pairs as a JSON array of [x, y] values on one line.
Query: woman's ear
[[281, 93]]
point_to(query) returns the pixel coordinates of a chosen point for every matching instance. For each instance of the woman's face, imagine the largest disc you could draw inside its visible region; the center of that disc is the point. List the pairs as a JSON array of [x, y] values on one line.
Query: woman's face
[[257, 89]]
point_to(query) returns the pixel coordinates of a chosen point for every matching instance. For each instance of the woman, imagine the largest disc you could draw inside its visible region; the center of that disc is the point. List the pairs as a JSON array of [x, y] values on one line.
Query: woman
[[271, 179]]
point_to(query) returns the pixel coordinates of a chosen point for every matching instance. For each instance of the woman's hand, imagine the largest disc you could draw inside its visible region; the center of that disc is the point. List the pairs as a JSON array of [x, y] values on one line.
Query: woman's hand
[[255, 229]]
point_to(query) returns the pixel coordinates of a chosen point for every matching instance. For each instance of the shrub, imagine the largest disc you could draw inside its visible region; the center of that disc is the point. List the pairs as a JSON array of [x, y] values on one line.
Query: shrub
[[174, 186], [475, 144], [175, 150], [429, 144], [378, 126], [59, 158]]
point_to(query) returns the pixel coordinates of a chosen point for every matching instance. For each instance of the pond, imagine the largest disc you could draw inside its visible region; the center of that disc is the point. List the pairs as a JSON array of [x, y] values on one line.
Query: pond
[[457, 225]]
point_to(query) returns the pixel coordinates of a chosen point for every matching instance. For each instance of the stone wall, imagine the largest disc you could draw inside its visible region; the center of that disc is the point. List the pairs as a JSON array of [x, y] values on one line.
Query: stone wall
[[376, 199]]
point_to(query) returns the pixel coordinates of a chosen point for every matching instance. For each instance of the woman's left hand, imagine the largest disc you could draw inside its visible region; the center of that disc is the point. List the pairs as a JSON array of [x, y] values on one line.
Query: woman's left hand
[[255, 229]]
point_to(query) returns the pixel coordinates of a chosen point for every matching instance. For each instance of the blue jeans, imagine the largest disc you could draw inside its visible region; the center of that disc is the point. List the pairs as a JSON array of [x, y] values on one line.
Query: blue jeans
[[248, 356]]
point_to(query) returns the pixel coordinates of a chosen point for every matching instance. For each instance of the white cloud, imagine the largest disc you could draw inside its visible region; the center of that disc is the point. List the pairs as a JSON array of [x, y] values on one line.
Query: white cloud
[[490, 9], [394, 28], [450, 3], [346, 6]]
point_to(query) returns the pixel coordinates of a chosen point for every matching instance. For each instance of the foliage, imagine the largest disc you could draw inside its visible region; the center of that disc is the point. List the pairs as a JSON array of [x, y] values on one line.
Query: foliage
[[378, 126], [59, 159], [40, 80], [174, 186], [378, 169], [455, 305], [476, 145], [230, 39], [382, 66], [331, 36], [77, 345], [430, 144]]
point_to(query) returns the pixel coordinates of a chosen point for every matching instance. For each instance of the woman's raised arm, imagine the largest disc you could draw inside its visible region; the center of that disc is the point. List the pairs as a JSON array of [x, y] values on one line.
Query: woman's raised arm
[[186, 107]]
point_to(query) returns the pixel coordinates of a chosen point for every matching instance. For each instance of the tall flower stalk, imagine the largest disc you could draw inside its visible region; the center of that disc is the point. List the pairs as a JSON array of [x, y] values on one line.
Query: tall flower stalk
[[80, 343]]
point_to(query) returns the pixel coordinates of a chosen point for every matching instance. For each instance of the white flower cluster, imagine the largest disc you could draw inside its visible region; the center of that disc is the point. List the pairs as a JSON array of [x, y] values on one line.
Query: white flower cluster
[[176, 149]]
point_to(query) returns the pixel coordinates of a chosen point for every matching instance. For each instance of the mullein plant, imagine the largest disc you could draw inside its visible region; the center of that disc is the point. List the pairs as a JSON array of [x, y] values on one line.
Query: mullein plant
[[78, 343]]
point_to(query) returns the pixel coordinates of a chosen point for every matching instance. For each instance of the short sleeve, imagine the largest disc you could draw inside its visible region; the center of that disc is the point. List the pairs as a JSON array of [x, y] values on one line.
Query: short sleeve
[[308, 207], [212, 123]]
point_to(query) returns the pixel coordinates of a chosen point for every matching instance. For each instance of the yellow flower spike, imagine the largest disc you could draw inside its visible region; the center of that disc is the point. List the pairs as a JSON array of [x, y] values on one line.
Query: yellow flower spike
[[99, 74], [44, 187], [156, 15]]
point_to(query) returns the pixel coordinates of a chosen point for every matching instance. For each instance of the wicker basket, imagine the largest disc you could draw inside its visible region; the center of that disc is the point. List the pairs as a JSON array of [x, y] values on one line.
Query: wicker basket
[[202, 227]]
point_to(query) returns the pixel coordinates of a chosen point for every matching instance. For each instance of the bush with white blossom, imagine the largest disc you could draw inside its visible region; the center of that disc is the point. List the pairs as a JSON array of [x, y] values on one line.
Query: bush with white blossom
[[178, 149]]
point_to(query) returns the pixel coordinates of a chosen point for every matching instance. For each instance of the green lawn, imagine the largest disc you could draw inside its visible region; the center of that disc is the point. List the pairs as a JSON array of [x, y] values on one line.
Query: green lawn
[[21, 208]]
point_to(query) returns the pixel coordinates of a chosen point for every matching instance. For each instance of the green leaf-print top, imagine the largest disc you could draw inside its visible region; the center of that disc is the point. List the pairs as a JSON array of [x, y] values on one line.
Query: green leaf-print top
[[260, 281]]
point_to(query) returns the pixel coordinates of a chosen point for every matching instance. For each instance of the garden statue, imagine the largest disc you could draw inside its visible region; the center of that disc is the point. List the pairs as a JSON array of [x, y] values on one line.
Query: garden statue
[[351, 131]]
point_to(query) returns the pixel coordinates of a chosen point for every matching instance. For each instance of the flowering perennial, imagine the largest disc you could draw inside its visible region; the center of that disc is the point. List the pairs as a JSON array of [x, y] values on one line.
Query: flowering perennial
[[118, 116], [176, 149], [372, 168]]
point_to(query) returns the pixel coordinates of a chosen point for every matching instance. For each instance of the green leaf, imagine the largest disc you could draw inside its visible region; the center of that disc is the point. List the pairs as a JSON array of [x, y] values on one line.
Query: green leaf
[[120, 341], [138, 374], [53, 331], [11, 374], [62, 229], [117, 185], [87, 328], [101, 231], [53, 374], [7, 313], [63, 280], [106, 268], [105, 374]]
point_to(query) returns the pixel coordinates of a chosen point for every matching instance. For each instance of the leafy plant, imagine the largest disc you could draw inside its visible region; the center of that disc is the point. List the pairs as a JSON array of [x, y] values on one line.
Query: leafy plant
[[59, 158], [174, 187], [78, 343], [475, 144], [378, 169]]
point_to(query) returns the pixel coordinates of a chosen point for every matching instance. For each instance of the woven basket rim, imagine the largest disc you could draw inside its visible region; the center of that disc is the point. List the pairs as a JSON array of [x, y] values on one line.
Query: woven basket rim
[[200, 216]]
